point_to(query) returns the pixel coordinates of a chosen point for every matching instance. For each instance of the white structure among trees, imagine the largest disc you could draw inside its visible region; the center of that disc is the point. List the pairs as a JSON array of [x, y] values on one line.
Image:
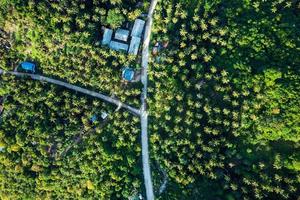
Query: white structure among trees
[[119, 42]]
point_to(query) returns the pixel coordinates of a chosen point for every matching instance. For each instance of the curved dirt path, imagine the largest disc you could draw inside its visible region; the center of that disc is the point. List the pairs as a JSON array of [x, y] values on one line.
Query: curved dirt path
[[75, 88], [144, 113]]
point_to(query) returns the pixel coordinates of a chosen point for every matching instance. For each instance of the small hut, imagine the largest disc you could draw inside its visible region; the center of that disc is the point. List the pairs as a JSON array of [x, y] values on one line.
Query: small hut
[[94, 118], [131, 75], [128, 74], [28, 66], [104, 115]]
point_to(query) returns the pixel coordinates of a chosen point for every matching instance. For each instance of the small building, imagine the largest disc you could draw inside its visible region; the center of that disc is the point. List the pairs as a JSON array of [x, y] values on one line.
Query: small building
[[134, 45], [128, 74], [118, 46], [138, 28], [104, 115], [28, 66], [121, 38], [107, 35], [93, 119], [122, 34]]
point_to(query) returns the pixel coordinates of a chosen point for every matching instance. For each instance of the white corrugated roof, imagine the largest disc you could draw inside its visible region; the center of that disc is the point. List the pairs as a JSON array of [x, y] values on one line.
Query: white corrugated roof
[[138, 28], [134, 45]]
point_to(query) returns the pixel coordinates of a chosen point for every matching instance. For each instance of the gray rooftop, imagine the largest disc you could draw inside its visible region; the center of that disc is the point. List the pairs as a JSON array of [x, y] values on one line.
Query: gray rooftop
[[107, 36], [134, 45], [121, 34], [118, 46], [138, 28]]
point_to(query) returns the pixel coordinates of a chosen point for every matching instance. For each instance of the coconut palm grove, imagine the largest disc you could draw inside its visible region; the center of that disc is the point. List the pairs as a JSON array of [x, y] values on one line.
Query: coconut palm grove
[[150, 99]]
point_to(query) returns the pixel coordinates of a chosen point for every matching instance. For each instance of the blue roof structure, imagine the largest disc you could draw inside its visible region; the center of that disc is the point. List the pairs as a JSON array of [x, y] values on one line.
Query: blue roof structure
[[121, 34], [118, 46], [93, 118], [107, 36], [128, 74], [28, 66]]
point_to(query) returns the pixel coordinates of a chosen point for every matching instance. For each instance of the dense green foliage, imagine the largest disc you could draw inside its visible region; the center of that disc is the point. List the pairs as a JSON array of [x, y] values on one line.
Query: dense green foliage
[[62, 38], [115, 18], [224, 105], [40, 121], [36, 129]]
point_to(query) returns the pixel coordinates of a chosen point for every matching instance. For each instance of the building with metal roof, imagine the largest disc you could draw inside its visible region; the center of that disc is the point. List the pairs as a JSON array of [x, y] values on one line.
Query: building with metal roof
[[118, 46], [119, 41], [107, 36], [138, 28], [134, 45], [104, 115], [128, 74], [122, 34], [28, 66]]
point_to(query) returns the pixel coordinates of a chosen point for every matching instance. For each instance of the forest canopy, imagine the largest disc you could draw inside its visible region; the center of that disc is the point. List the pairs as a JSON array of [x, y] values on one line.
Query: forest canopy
[[224, 104]]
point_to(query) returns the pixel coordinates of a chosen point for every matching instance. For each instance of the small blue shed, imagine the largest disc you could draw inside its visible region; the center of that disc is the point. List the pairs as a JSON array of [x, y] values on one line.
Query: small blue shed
[[94, 118], [128, 74], [28, 66]]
